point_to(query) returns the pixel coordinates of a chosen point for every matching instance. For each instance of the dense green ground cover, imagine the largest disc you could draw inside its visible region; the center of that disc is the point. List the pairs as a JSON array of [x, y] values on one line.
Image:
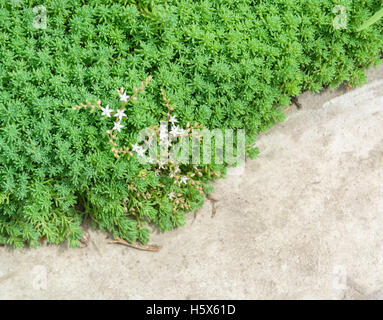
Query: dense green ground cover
[[223, 63]]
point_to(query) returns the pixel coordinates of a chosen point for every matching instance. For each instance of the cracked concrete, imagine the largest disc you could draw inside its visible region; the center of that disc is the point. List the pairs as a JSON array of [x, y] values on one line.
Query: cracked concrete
[[303, 221]]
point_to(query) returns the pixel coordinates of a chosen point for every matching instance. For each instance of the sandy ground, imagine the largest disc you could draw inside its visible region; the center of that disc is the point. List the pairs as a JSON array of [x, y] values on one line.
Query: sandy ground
[[302, 221]]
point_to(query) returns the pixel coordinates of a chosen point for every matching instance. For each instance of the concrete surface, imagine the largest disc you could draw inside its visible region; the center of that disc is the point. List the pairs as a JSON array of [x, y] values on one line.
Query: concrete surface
[[303, 221]]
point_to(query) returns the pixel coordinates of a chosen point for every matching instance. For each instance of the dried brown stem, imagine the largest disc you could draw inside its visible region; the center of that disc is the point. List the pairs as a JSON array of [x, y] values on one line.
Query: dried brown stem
[[153, 248]]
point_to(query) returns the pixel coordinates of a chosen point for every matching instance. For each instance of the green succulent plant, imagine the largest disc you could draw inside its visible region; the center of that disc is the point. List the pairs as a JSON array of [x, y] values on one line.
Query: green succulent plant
[[226, 64]]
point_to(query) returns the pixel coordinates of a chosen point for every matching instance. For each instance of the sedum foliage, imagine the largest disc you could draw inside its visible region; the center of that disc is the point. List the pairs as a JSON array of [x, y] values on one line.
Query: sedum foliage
[[223, 63]]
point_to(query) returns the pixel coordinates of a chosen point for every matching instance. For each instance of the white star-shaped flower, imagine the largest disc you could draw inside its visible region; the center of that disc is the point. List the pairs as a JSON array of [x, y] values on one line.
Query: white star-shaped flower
[[174, 131], [184, 179], [120, 114], [141, 152], [118, 126], [161, 165], [124, 97], [173, 120], [106, 111], [177, 131], [135, 147], [171, 195]]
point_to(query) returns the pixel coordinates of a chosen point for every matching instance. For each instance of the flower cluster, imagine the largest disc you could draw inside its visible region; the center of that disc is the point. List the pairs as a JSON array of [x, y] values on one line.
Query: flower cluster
[[180, 177], [119, 115]]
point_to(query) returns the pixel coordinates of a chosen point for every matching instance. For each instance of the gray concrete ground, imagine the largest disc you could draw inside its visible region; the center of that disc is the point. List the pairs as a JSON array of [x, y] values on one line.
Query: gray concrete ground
[[303, 221]]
